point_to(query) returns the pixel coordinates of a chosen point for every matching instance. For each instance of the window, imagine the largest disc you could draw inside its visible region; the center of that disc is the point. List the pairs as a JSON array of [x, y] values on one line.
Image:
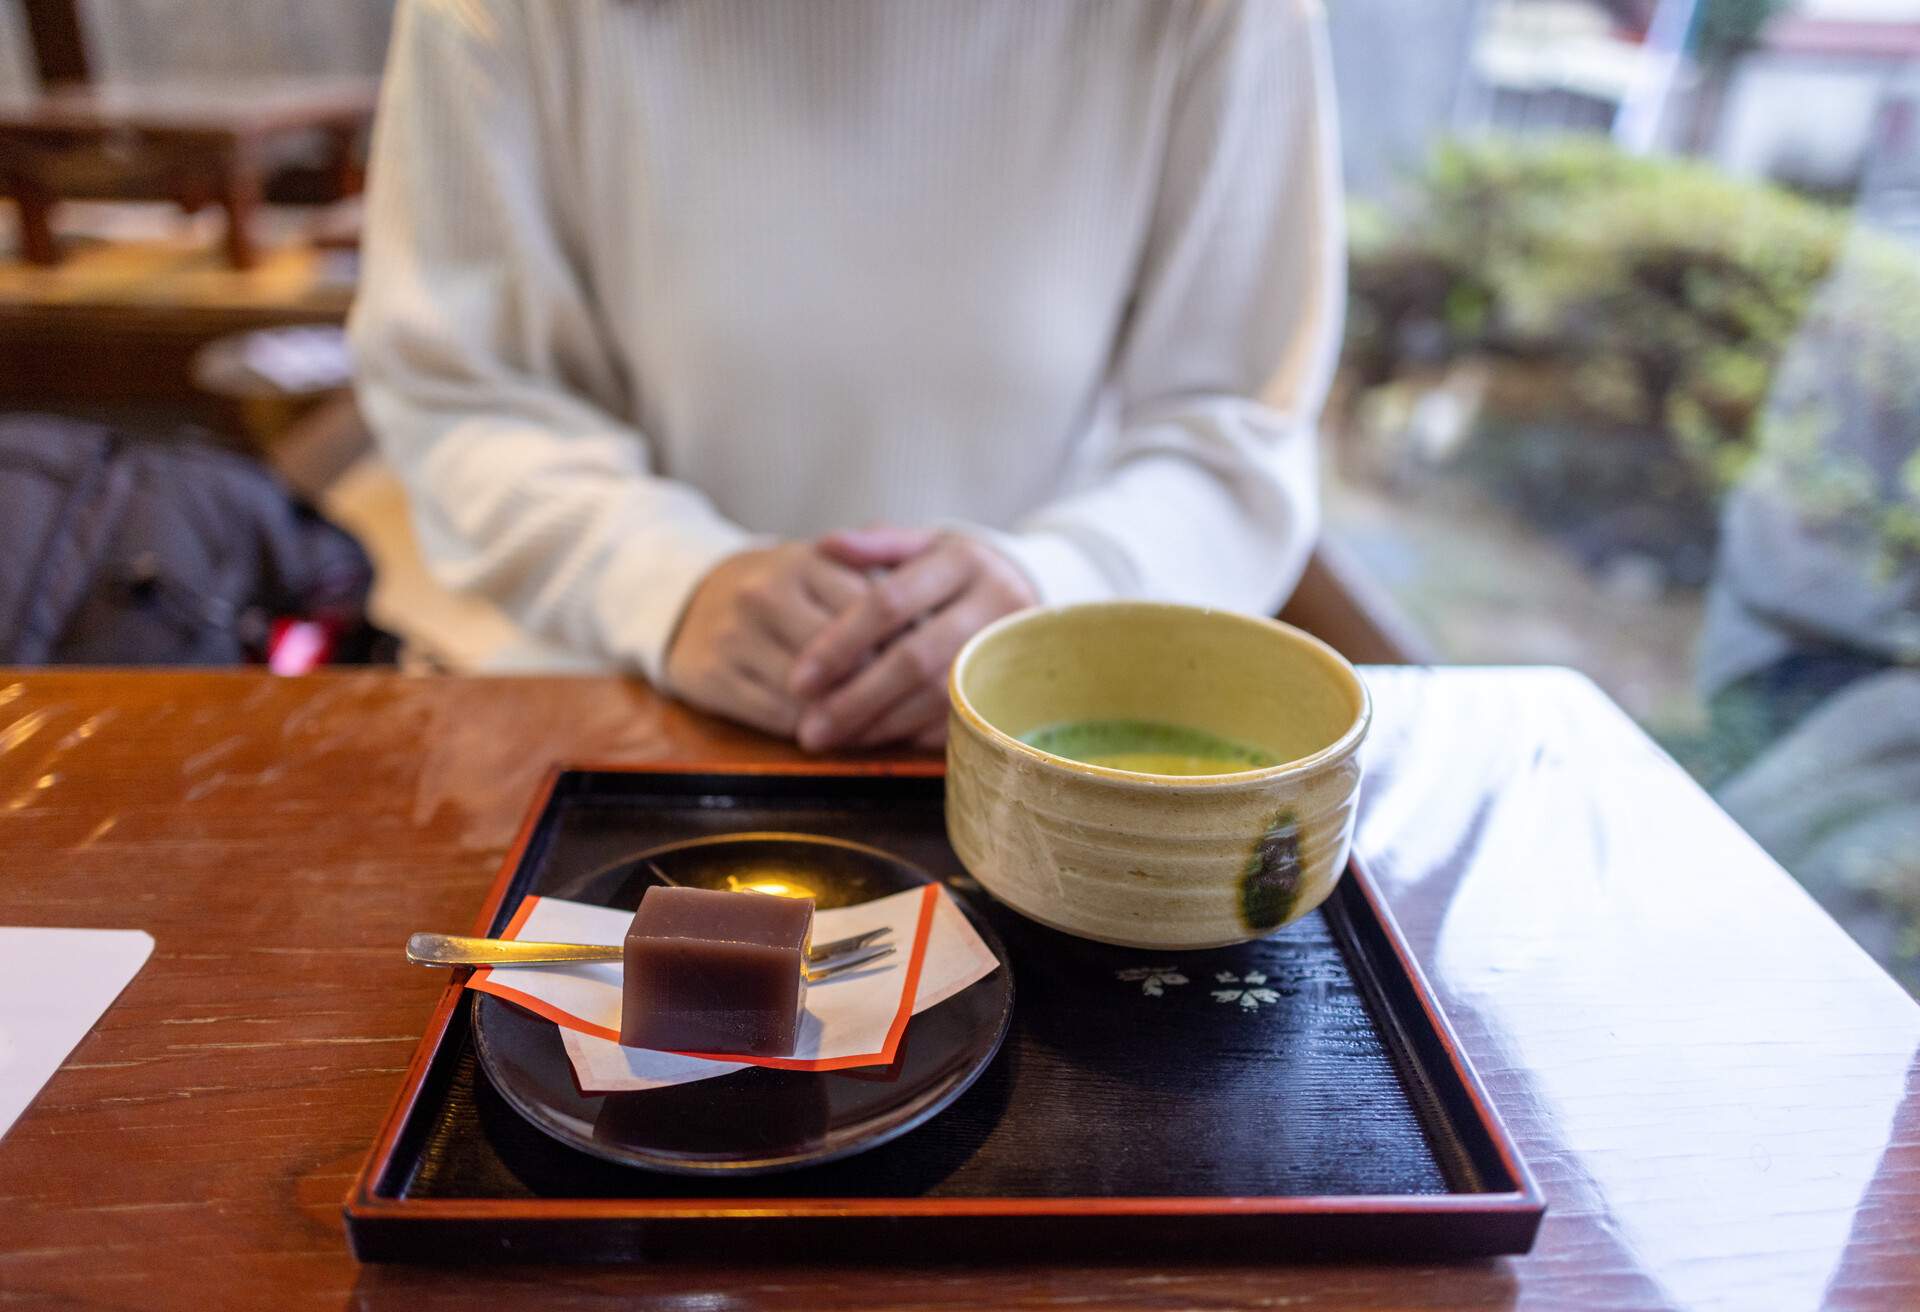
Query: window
[[1632, 384]]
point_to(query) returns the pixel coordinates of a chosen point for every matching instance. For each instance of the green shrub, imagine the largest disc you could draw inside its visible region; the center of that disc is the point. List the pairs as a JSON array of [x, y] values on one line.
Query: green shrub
[[1727, 316]]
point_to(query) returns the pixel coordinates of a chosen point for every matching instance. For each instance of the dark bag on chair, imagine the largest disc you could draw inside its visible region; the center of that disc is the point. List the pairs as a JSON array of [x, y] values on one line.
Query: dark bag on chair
[[118, 550]]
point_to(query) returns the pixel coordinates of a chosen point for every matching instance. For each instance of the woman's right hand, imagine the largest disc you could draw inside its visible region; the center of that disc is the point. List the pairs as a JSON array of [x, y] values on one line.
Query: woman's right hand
[[753, 612]]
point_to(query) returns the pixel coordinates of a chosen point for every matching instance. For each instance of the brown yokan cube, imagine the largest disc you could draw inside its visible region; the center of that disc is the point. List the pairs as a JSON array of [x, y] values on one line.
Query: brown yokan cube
[[716, 972]]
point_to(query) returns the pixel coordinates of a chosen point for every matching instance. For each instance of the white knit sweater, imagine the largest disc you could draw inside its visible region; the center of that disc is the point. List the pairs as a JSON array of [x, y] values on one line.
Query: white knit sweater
[[648, 280]]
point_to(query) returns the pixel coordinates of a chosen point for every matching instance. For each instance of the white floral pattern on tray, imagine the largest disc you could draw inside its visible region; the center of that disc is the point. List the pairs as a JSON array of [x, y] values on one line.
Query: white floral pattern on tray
[[1153, 980], [1252, 993]]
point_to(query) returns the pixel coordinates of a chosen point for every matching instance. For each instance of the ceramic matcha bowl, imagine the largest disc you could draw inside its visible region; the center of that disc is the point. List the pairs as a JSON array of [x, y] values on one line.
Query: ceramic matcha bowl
[[1154, 860]]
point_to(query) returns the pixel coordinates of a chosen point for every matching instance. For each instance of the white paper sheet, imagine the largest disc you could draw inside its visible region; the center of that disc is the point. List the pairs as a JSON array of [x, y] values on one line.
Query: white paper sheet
[[847, 1021], [54, 984]]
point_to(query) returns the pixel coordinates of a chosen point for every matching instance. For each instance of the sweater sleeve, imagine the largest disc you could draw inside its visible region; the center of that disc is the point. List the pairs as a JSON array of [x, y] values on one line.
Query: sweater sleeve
[[1209, 493], [481, 364]]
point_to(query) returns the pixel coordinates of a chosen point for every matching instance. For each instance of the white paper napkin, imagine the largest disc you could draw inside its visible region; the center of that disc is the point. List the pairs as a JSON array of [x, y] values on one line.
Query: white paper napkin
[[855, 1020], [54, 984]]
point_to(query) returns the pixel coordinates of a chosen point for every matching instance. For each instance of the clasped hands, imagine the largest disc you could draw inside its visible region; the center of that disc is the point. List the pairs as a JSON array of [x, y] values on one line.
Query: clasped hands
[[844, 642]]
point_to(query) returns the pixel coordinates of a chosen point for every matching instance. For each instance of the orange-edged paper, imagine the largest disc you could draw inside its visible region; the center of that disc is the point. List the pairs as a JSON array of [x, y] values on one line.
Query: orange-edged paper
[[854, 1020]]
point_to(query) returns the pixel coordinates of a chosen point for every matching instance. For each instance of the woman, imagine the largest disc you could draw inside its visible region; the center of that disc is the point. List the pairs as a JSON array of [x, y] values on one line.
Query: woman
[[663, 297]]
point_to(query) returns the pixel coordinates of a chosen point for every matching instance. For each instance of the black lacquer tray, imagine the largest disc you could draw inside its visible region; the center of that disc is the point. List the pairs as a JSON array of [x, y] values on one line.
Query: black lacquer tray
[[1302, 1095]]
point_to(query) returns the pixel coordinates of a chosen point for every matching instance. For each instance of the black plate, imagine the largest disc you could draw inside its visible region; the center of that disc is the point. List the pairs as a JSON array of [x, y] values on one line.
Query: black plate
[[760, 1119]]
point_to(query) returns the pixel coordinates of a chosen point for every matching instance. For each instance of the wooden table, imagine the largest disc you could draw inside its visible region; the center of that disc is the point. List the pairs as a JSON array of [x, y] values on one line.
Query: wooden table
[[1718, 1091], [191, 142]]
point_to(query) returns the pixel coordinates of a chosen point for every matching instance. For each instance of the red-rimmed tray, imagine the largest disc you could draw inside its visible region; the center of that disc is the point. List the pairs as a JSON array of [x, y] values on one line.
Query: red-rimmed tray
[[1298, 1095]]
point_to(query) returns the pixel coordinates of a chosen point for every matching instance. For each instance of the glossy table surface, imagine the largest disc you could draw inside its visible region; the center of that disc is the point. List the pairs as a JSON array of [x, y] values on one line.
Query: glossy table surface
[[1717, 1090]]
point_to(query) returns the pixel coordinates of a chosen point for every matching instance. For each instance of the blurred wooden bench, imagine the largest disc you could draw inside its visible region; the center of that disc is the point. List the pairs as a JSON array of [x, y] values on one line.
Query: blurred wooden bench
[[189, 142]]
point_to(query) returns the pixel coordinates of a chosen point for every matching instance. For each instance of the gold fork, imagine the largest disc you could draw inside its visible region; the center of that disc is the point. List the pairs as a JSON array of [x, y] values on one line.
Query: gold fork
[[824, 960]]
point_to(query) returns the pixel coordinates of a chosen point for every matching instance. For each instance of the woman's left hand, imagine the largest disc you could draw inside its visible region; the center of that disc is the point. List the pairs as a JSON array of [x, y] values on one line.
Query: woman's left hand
[[939, 591]]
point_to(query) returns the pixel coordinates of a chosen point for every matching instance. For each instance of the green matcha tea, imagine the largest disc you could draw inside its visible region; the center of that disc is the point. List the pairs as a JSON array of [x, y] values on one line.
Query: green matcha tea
[[1148, 747]]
